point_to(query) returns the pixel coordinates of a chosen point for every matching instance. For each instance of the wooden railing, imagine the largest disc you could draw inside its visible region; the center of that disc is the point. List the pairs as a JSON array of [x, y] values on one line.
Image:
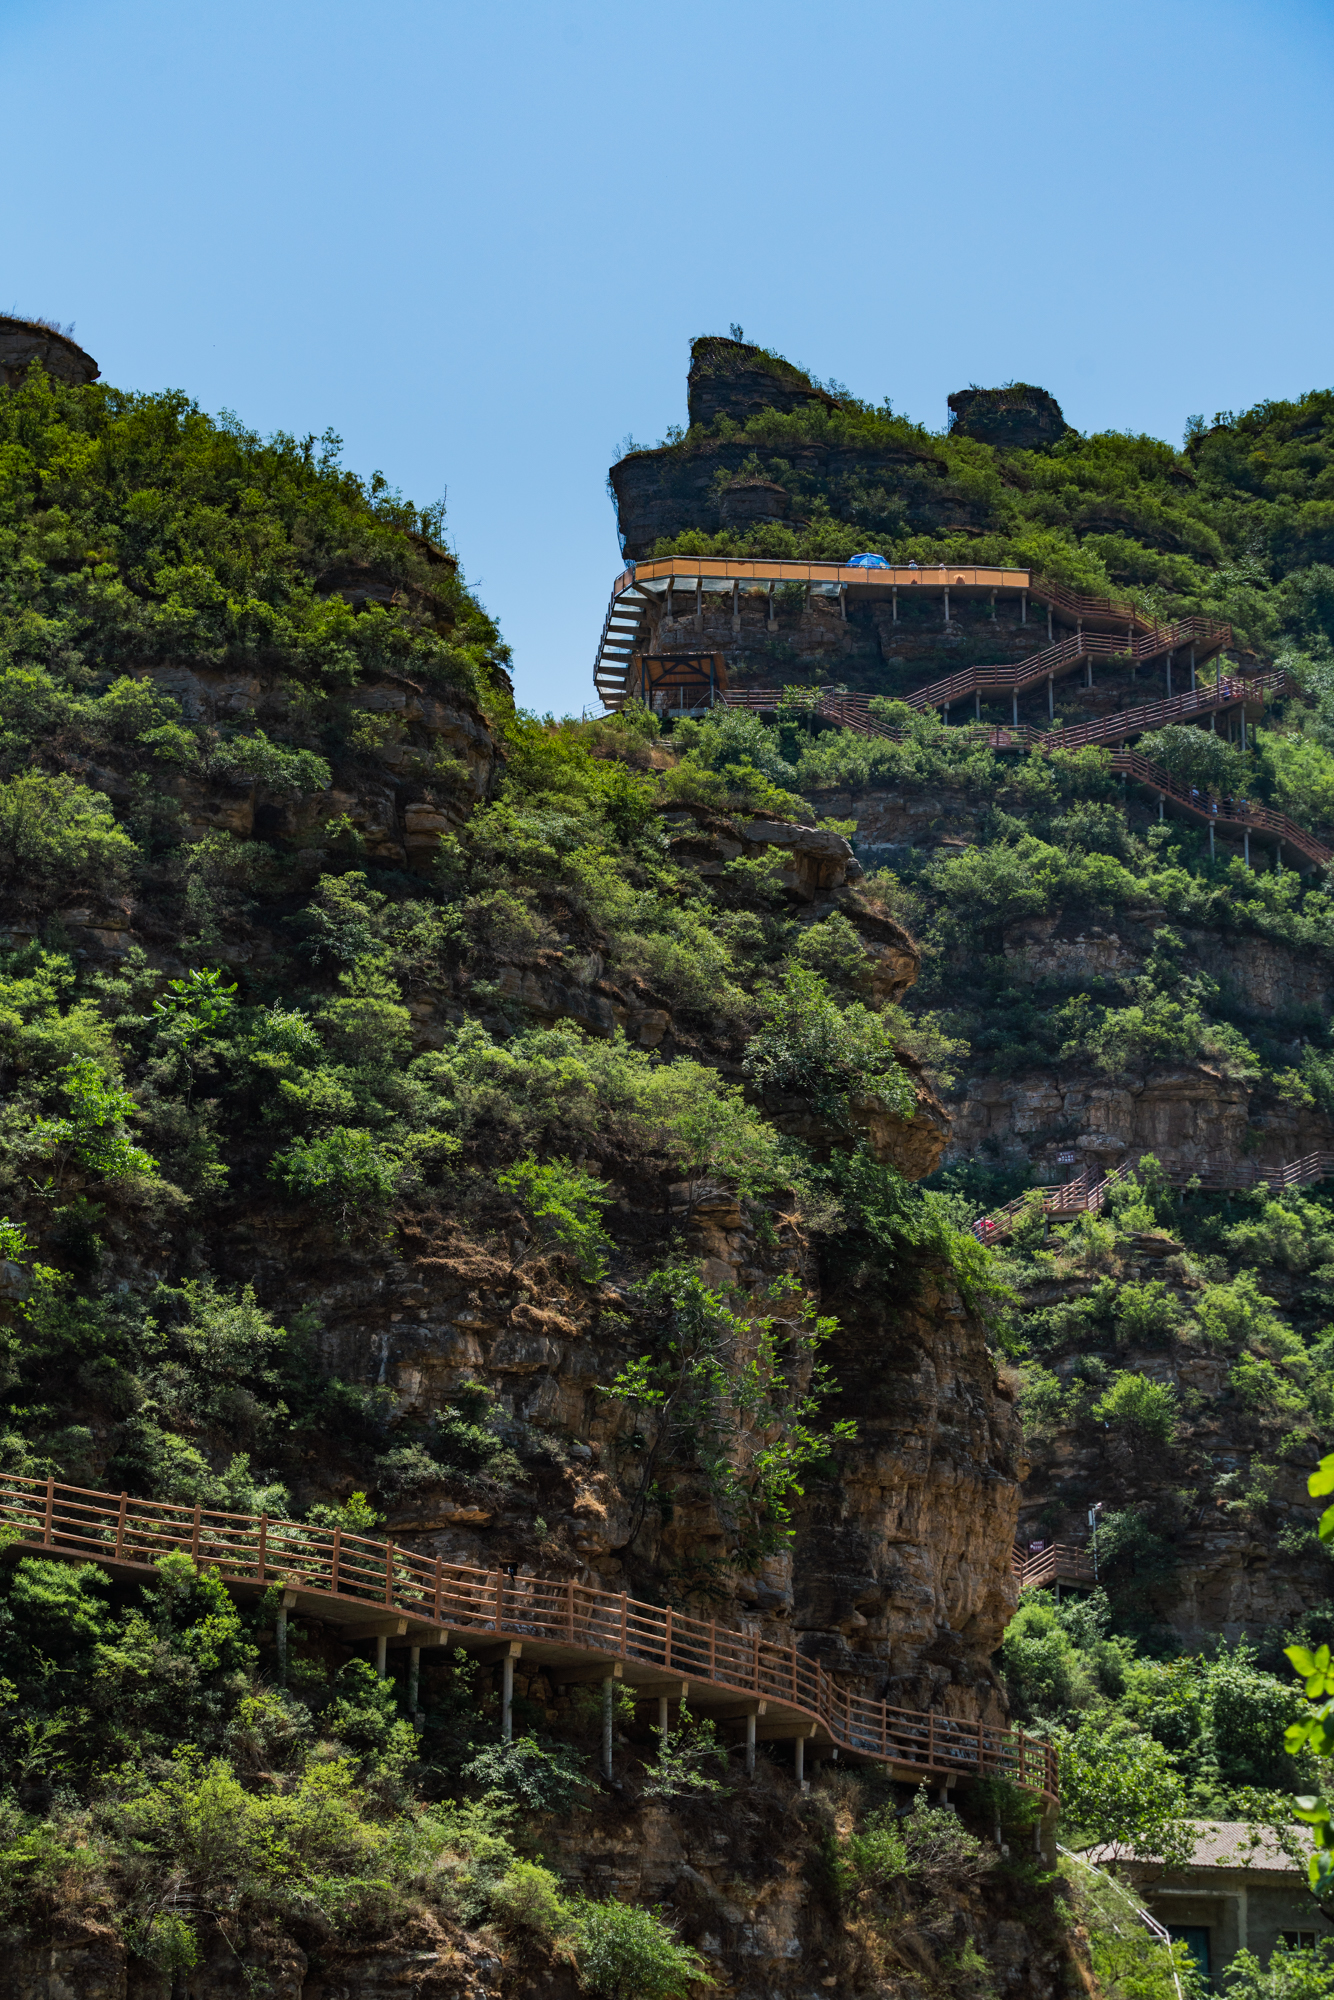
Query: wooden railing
[[1228, 691], [1231, 815], [1144, 637], [1088, 1191], [382, 1577], [1242, 816], [1060, 1563]]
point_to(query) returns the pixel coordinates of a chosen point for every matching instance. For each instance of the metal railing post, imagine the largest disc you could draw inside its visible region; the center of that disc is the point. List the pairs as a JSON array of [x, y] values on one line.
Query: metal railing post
[[50, 1511]]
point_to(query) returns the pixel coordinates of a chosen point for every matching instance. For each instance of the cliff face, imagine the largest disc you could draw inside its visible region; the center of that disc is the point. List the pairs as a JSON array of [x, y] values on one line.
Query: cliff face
[[388, 1080], [687, 486]]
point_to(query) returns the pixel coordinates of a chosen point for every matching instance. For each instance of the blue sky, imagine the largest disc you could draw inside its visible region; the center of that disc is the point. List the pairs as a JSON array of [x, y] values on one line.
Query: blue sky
[[477, 241]]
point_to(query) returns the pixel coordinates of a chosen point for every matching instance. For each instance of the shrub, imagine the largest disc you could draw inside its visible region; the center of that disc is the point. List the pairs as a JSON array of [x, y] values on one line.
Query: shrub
[[825, 1053], [565, 1206], [1146, 1411], [1259, 1386], [58, 836], [278, 767], [1045, 1671], [342, 1170], [626, 1951], [1146, 1314], [93, 1130], [538, 1777], [527, 1899]]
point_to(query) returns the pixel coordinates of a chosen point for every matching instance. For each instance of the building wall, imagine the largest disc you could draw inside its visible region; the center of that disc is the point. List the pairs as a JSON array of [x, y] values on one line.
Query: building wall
[[1240, 1908]]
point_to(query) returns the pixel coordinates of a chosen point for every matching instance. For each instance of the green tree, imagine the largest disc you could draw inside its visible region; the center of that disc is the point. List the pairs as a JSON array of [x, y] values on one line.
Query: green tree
[[565, 1206], [1122, 1791], [56, 837], [627, 1951], [829, 1054]]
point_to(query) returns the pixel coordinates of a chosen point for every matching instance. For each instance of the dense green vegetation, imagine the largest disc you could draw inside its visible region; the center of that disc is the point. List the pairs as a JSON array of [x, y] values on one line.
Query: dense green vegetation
[[135, 529], [306, 1059], [1239, 524]]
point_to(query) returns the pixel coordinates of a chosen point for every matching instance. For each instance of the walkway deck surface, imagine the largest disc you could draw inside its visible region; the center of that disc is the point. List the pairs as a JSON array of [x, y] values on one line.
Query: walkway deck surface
[[379, 1589], [1106, 627]]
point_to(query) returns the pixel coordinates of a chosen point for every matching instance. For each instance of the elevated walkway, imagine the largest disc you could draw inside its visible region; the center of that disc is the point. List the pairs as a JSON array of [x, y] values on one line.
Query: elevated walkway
[[377, 1590], [1059, 1563], [1106, 627], [1243, 819], [1088, 1192]]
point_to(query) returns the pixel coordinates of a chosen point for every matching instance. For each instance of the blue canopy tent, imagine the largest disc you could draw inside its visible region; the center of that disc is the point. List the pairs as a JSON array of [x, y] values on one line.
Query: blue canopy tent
[[866, 562]]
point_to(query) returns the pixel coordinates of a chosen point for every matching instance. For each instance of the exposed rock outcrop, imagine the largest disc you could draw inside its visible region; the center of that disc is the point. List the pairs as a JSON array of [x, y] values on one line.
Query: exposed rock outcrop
[[731, 378], [23, 341], [1018, 417]]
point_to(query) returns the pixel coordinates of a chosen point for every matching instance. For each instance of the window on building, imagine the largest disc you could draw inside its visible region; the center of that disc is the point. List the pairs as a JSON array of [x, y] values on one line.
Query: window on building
[[1297, 1940]]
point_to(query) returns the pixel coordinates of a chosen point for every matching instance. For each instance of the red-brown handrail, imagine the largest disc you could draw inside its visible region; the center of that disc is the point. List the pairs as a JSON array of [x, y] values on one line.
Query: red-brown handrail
[[1238, 816], [1144, 637], [1089, 1191], [1061, 1562], [101, 1527]]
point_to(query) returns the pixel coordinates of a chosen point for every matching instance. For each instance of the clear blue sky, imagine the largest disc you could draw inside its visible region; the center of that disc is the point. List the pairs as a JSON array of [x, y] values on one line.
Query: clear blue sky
[[476, 241]]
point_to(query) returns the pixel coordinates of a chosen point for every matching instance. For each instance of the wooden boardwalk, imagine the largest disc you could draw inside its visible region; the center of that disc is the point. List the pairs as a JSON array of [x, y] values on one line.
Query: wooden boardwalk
[[1058, 1563], [1244, 819], [1088, 1192], [1105, 626], [383, 1592]]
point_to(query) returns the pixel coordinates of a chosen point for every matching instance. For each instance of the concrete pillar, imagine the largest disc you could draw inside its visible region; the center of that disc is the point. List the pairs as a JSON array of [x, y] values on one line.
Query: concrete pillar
[[947, 604], [608, 1697], [699, 603], [1243, 1930], [736, 607], [773, 615], [800, 1753], [1049, 631], [1213, 722], [843, 602], [750, 1744], [1169, 677], [1014, 702], [1278, 860], [1023, 607], [993, 608], [382, 1656], [280, 1640], [977, 705], [1160, 808], [662, 1715], [1246, 846], [507, 1699], [1051, 700], [1211, 840], [1192, 670], [894, 605], [414, 1677]]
